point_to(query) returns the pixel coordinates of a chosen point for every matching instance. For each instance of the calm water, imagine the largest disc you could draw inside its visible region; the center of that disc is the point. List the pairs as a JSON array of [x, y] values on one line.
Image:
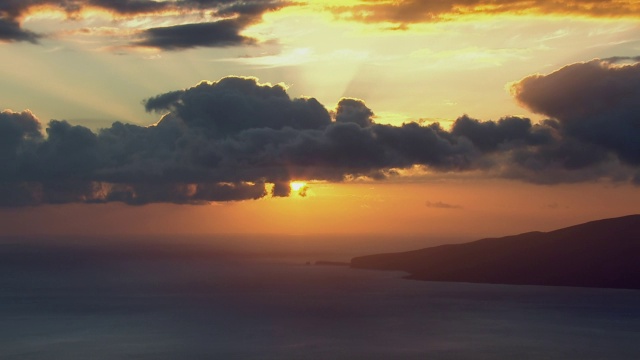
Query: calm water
[[69, 304]]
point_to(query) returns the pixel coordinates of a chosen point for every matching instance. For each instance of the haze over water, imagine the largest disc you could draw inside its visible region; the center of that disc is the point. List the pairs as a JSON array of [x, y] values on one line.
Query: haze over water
[[97, 301]]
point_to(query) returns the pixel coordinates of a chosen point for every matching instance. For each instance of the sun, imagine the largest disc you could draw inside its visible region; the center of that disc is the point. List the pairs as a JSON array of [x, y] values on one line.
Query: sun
[[297, 186]]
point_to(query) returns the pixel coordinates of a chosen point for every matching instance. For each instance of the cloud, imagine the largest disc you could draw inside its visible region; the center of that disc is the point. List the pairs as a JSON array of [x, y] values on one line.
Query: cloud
[[595, 103], [405, 12], [234, 104], [554, 205], [19, 134], [354, 111], [441, 205], [237, 139], [233, 139], [10, 31], [621, 59], [213, 34], [125, 7], [511, 131], [236, 16], [224, 19], [12, 12]]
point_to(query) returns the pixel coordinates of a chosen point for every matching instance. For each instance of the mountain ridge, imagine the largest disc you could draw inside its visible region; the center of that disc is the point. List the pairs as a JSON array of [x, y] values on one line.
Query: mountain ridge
[[600, 253]]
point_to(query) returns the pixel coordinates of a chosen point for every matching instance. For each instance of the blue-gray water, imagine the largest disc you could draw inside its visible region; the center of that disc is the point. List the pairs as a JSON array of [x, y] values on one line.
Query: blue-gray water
[[68, 304]]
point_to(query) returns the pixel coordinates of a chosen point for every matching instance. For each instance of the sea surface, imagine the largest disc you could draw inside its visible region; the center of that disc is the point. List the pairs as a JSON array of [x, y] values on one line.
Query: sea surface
[[90, 302]]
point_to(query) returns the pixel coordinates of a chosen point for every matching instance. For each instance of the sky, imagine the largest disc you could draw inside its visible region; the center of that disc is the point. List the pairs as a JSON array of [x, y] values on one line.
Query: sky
[[448, 118]]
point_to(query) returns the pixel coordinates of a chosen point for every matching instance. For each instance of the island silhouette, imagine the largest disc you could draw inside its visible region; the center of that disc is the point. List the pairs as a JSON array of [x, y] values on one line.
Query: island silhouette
[[603, 253]]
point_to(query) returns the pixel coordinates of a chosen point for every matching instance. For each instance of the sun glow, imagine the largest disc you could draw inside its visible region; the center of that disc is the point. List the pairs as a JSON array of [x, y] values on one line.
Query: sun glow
[[297, 186]]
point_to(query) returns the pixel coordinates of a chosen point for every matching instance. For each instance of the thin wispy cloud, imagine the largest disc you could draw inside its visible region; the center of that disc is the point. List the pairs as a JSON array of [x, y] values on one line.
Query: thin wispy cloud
[[405, 12], [441, 205]]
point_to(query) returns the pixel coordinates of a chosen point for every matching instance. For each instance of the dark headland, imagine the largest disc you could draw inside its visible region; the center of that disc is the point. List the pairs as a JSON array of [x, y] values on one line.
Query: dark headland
[[603, 253]]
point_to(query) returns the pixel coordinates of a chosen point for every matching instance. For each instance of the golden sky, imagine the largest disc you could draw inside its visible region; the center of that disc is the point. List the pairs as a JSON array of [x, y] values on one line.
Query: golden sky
[[536, 103]]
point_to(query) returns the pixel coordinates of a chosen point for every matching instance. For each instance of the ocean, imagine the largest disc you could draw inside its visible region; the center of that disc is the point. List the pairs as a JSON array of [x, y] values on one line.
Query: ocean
[[94, 302]]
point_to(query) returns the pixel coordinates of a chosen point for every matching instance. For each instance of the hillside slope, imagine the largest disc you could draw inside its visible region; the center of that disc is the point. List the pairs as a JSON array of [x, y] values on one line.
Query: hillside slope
[[602, 253]]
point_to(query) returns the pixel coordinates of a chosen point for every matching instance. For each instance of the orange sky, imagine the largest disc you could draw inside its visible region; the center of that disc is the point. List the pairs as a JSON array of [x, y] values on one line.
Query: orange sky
[[456, 209]]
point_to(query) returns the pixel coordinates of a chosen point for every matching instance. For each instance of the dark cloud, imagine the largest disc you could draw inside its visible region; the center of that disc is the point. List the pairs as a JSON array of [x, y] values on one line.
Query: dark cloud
[[237, 15], [15, 126], [220, 33], [179, 193], [418, 11], [596, 103], [236, 139], [15, 8], [432, 146], [19, 135], [127, 7], [355, 111], [233, 17], [234, 104], [10, 30], [11, 12], [507, 132], [228, 140], [281, 189], [250, 8]]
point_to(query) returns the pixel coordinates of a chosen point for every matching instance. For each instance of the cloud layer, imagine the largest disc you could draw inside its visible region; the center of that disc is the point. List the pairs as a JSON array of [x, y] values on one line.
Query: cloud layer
[[220, 23], [228, 19], [419, 11], [237, 139]]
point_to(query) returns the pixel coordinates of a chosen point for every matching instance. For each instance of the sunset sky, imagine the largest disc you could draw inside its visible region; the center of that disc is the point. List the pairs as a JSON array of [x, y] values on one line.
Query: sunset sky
[[446, 118]]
